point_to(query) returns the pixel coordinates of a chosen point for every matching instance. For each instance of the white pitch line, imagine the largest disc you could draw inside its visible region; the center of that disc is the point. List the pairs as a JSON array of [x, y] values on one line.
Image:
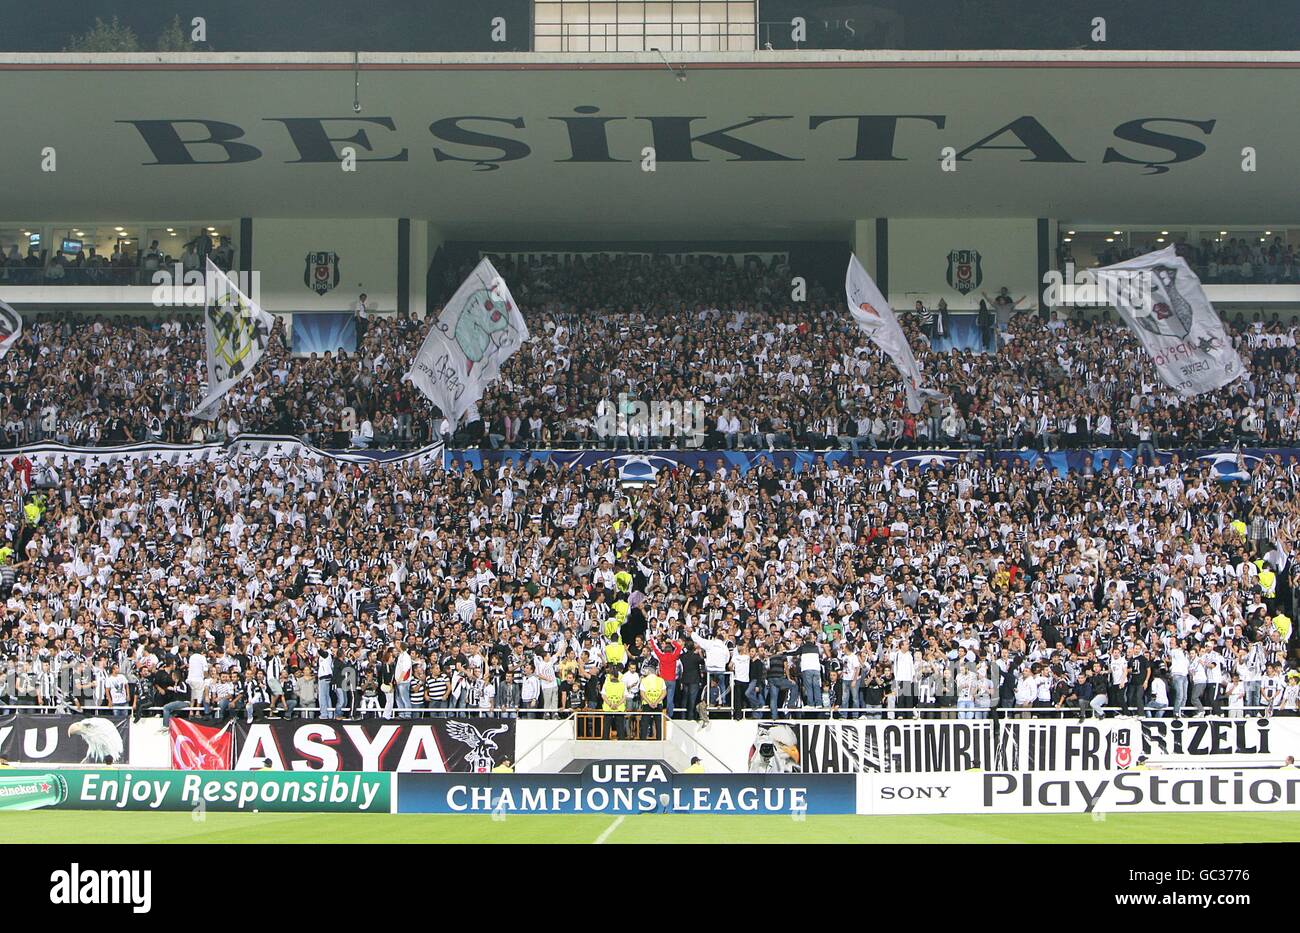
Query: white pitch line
[[600, 840]]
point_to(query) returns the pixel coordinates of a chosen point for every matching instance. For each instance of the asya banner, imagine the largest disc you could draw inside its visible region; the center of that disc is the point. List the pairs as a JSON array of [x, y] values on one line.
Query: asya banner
[[469, 744]]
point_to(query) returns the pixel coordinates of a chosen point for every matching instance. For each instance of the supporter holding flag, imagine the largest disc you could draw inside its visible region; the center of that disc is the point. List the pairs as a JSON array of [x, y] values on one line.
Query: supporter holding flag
[[11, 328], [1161, 299], [479, 328], [876, 319], [237, 333]]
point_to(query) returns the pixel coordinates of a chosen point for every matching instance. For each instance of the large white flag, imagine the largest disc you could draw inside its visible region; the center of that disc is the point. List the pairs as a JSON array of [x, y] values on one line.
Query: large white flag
[[11, 328], [478, 330], [873, 314], [237, 333], [1162, 300]]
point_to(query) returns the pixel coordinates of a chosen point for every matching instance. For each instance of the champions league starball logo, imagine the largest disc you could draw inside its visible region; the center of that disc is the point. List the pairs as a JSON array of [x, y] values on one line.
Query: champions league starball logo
[[924, 461], [1227, 467], [642, 469]]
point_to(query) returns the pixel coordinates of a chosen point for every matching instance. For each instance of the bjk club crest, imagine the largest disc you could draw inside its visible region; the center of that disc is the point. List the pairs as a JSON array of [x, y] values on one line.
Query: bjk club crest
[[964, 273], [322, 273], [1123, 749]]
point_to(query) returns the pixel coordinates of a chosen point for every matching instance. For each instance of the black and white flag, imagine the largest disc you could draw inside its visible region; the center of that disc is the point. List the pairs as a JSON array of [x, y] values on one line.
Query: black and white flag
[[479, 329], [11, 328], [876, 319], [237, 335], [1161, 299]]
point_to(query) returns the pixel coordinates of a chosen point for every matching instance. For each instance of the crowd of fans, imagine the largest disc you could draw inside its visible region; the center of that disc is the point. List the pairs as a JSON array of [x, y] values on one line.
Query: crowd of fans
[[125, 265], [1225, 261], [273, 586], [613, 330]]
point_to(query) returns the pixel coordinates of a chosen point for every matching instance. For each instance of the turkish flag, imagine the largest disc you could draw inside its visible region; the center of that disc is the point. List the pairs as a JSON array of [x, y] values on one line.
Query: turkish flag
[[23, 467], [196, 747]]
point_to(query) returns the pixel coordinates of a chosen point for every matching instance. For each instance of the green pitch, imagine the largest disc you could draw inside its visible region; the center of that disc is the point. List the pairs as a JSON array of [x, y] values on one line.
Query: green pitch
[[95, 827]]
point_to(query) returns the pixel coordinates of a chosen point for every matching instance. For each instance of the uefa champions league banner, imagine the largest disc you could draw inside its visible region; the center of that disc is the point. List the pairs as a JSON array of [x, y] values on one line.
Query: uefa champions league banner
[[620, 789], [644, 466], [953, 746], [253, 446], [464, 744], [1097, 792]]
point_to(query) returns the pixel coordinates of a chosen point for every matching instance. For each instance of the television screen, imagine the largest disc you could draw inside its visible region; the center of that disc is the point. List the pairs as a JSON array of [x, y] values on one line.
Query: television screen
[[71, 246]]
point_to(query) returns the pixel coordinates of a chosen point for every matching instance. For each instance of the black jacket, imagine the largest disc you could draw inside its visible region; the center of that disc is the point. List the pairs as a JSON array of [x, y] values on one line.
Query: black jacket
[[692, 668]]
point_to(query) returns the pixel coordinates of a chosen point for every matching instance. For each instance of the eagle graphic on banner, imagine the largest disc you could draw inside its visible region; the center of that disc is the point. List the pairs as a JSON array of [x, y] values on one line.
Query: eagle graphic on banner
[[479, 755]]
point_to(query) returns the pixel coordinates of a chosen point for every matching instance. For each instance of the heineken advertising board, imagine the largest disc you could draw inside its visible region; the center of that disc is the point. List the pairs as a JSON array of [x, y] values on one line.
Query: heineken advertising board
[[241, 791]]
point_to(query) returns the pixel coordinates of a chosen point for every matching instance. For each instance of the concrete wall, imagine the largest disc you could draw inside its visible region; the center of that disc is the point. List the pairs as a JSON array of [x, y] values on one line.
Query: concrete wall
[[918, 259], [367, 251]]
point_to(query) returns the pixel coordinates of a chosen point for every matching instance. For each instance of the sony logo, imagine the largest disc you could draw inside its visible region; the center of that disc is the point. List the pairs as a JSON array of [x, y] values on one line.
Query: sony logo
[[928, 792]]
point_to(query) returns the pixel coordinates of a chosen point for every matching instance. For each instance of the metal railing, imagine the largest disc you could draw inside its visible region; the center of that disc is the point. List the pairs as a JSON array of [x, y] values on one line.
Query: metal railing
[[116, 275], [8, 707]]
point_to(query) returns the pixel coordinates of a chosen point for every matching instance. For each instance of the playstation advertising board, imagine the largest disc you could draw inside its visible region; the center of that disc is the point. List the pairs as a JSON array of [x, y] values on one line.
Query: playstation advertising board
[[1133, 791]]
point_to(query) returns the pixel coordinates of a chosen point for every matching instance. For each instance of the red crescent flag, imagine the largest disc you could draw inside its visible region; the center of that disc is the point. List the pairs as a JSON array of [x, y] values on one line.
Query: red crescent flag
[[196, 747]]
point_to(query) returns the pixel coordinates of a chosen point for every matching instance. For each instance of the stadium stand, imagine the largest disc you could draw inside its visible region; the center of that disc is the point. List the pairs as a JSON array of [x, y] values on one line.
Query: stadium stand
[[965, 587], [717, 332]]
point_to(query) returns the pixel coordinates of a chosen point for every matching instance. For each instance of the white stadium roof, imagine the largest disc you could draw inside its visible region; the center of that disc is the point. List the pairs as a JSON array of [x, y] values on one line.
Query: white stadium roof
[[508, 145]]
